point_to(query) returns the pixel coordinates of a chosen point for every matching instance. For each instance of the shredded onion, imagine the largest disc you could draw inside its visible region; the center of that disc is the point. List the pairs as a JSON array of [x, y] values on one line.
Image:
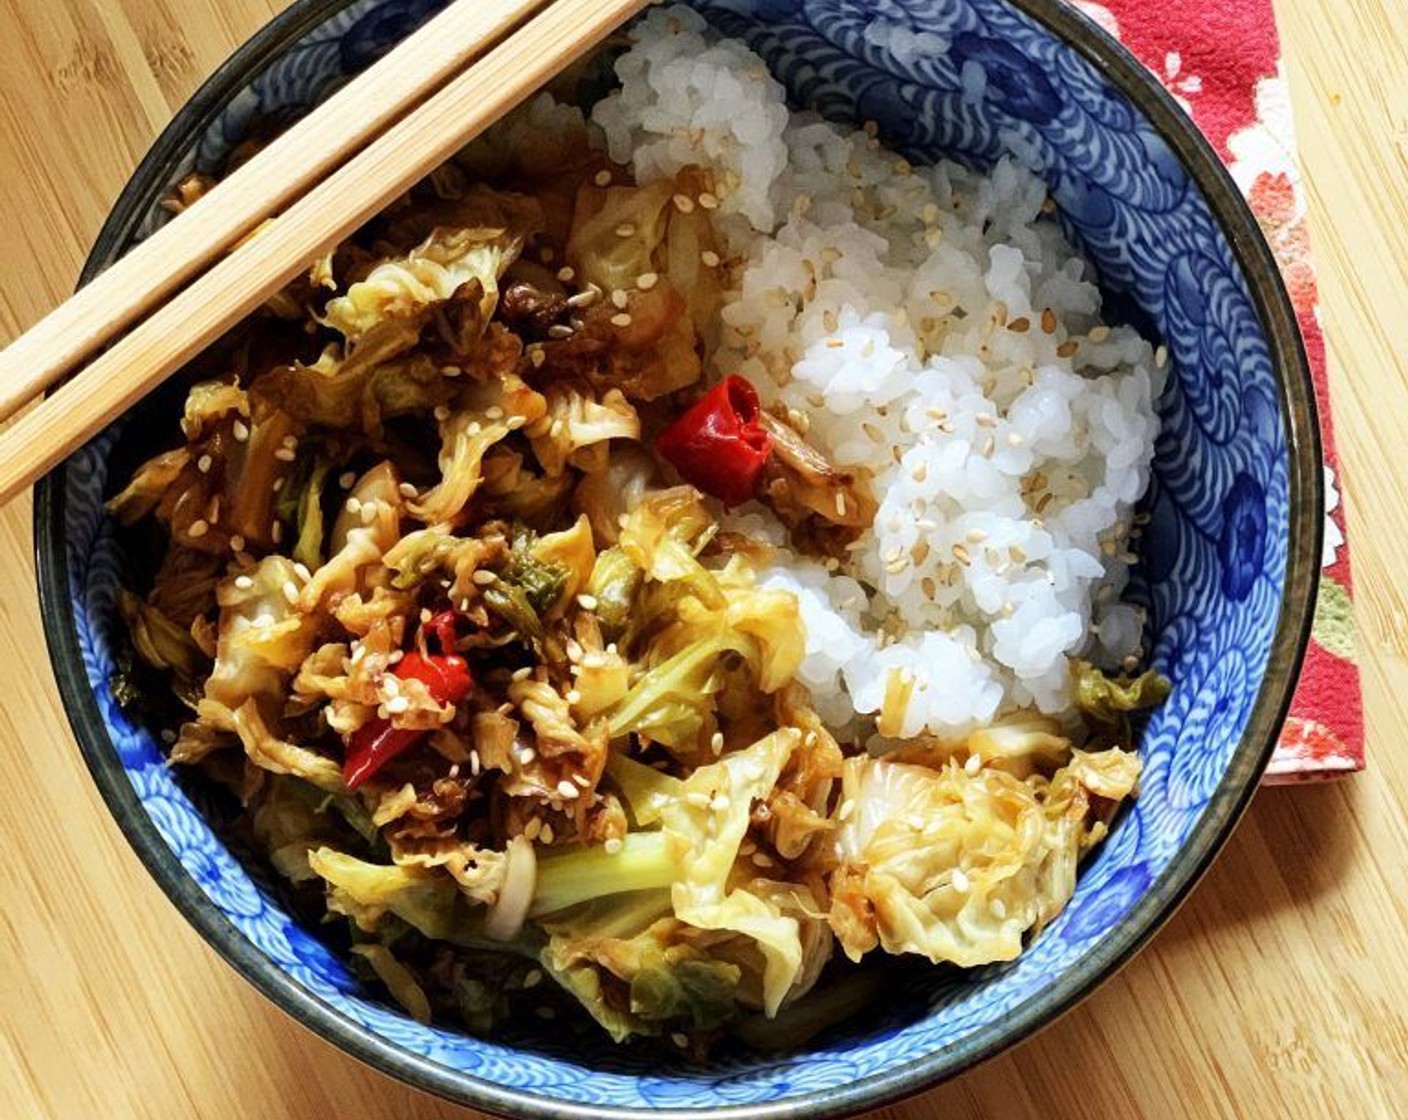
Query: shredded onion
[[507, 915]]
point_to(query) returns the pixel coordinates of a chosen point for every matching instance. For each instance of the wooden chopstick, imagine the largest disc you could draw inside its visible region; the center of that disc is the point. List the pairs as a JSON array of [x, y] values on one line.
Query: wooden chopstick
[[273, 177], [324, 216]]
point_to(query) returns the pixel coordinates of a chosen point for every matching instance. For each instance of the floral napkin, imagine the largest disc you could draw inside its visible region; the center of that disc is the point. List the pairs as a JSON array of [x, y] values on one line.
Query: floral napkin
[[1221, 59]]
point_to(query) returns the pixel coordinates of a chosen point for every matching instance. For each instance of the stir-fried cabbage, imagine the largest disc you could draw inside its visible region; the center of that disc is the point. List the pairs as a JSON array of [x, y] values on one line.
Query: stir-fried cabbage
[[431, 273], [960, 866]]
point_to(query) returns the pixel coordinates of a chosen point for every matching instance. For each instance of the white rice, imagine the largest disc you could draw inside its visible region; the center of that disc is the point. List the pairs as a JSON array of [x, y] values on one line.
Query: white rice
[[923, 320]]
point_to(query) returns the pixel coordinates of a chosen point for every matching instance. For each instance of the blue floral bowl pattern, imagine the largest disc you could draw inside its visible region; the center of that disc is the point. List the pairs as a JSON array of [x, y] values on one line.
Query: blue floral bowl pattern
[[1228, 576]]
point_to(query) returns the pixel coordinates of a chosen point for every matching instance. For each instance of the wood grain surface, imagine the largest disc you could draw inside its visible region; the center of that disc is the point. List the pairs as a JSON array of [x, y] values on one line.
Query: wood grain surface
[[1280, 988]]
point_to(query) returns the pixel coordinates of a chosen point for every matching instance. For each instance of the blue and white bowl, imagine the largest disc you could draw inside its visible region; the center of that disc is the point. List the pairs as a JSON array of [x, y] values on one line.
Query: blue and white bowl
[[1229, 573]]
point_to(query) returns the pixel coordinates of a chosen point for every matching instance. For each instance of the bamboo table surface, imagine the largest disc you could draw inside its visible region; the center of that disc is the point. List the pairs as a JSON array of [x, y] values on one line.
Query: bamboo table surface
[[1280, 988]]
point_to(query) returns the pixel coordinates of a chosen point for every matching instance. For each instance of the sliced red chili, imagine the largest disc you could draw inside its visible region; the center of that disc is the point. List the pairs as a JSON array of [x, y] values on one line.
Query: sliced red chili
[[718, 443], [377, 742], [443, 625]]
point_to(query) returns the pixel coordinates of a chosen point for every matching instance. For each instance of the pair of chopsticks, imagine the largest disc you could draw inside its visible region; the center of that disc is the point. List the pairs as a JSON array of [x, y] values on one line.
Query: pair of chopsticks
[[318, 182]]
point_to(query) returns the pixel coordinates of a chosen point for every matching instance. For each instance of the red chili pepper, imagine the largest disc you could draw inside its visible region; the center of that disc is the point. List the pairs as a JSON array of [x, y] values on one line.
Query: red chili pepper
[[718, 444], [377, 742], [442, 624]]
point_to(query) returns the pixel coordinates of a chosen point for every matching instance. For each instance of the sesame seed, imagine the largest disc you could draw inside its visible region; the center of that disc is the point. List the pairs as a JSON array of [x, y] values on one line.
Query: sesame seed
[[762, 859], [683, 203], [602, 178], [973, 763], [285, 455], [1067, 348], [244, 583], [559, 330], [526, 755], [697, 798], [237, 543], [241, 430], [406, 490], [585, 298], [441, 412], [451, 371], [198, 528], [566, 273], [533, 978], [547, 834], [961, 554], [346, 480], [622, 319], [566, 790], [998, 908], [960, 881], [203, 464], [620, 298], [290, 591], [709, 258], [167, 735], [626, 229], [1099, 334], [521, 674], [1161, 357], [513, 423], [574, 649], [483, 578], [613, 845], [369, 512], [647, 280], [840, 502], [1048, 320], [716, 743], [493, 412], [586, 602], [708, 200], [276, 532], [532, 828], [680, 1039]]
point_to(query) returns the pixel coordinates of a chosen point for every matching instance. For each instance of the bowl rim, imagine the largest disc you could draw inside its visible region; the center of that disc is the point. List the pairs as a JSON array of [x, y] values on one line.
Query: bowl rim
[[1225, 808]]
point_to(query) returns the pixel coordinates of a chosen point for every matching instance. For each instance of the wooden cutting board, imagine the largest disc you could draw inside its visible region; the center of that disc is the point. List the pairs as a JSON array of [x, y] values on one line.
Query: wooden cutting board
[[1278, 991]]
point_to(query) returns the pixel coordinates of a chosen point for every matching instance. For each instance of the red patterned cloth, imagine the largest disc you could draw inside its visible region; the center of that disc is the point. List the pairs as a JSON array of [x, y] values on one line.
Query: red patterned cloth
[[1221, 59]]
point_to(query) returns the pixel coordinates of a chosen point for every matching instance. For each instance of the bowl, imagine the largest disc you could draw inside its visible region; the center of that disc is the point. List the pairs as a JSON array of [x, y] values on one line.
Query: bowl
[[1231, 554]]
